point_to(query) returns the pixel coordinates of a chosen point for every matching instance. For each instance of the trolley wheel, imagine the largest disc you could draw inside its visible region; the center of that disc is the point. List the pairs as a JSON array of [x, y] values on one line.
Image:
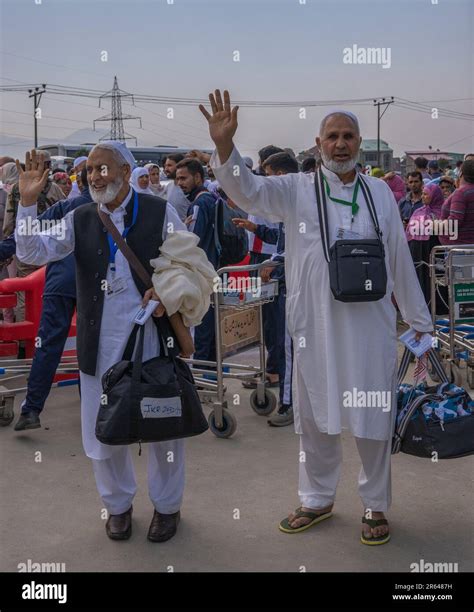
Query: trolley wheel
[[229, 424], [470, 377], [6, 410], [456, 375], [265, 408], [432, 373]]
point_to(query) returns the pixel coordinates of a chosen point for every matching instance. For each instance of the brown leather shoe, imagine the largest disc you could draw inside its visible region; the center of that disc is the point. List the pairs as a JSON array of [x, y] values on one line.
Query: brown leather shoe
[[163, 526], [119, 526]]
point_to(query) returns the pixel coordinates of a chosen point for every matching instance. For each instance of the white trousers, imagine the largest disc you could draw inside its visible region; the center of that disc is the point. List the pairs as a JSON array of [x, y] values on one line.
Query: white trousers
[[115, 477], [320, 469]]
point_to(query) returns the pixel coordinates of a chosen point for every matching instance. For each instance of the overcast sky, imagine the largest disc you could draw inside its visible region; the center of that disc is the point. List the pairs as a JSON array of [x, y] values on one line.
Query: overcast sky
[[289, 50]]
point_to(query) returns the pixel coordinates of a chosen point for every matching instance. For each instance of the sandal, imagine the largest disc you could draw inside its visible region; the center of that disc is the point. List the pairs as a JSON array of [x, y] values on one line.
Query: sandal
[[252, 384], [375, 541], [316, 517]]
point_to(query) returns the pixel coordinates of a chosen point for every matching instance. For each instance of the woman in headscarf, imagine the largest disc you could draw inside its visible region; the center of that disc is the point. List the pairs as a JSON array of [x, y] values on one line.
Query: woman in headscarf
[[63, 181], [154, 173], [432, 196], [447, 186], [140, 181], [421, 237]]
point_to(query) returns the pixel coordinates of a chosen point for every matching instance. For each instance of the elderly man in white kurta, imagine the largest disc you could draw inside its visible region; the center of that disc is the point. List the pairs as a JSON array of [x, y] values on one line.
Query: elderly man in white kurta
[[109, 166], [338, 346]]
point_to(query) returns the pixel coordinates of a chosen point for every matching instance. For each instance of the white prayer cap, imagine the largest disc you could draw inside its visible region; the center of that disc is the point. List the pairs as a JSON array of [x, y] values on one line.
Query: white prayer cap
[[79, 160], [351, 116], [121, 149], [248, 161]]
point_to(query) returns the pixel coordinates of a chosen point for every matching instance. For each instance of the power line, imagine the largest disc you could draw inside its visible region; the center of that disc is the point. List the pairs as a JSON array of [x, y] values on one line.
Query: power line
[[7, 110], [456, 141]]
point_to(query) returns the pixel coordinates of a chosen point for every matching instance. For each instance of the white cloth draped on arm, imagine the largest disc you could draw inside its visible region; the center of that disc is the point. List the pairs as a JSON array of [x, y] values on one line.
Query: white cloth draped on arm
[[183, 277]]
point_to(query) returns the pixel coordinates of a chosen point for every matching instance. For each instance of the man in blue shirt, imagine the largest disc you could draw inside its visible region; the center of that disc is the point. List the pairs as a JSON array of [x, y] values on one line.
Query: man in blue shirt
[[59, 303], [201, 221], [412, 200]]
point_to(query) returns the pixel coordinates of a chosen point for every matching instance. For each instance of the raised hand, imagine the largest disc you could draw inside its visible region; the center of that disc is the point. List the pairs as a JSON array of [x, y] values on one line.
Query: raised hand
[[33, 179], [222, 122], [245, 223], [200, 155], [193, 154]]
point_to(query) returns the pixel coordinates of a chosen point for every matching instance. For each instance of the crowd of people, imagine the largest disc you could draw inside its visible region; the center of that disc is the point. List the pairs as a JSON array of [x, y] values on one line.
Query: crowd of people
[[277, 205]]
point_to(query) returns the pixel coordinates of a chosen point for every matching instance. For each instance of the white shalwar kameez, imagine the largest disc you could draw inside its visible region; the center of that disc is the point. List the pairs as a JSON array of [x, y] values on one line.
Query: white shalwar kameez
[[113, 466], [338, 347]]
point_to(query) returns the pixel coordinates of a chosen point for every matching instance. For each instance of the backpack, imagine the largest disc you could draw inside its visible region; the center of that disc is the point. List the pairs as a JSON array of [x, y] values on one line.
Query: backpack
[[231, 241]]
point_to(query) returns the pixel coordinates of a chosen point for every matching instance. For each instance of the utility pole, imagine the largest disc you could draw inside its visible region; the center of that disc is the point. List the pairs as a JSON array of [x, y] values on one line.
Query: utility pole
[[379, 103], [36, 94]]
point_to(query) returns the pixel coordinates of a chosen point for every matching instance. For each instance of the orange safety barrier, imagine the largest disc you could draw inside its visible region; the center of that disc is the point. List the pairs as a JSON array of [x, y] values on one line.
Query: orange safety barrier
[[12, 333]]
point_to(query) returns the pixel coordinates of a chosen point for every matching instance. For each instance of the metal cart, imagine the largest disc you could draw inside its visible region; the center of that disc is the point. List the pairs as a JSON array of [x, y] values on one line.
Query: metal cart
[[14, 369], [453, 267], [239, 327]]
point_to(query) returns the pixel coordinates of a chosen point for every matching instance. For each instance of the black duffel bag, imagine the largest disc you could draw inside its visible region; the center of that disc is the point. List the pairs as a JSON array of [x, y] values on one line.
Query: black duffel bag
[[151, 401], [416, 435]]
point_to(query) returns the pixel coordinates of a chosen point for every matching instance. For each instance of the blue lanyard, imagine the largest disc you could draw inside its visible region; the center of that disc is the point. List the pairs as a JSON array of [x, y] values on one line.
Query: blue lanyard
[[113, 248]]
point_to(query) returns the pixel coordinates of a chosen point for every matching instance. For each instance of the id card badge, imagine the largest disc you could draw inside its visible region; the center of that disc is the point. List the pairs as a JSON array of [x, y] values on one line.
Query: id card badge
[[116, 286], [343, 233]]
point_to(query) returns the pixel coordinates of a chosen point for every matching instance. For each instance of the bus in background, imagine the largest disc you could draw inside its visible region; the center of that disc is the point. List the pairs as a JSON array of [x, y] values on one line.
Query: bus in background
[[61, 162], [142, 155]]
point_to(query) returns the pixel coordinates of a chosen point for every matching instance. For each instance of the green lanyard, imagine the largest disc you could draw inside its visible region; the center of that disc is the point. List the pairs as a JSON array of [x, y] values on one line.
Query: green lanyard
[[353, 204]]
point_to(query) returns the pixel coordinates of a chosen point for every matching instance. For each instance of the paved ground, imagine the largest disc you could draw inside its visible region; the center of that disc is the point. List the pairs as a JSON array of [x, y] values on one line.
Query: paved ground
[[50, 511]]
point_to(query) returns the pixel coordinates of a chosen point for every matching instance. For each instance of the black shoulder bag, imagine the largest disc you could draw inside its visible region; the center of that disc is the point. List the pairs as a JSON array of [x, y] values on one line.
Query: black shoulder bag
[[155, 400], [151, 401], [357, 270]]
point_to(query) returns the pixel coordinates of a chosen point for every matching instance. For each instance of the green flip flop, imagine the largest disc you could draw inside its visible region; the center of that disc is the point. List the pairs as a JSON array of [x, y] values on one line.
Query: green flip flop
[[383, 539], [316, 517]]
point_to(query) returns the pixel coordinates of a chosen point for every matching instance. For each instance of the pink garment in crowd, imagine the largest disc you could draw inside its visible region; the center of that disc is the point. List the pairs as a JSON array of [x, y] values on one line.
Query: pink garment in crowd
[[437, 199], [417, 226], [397, 185]]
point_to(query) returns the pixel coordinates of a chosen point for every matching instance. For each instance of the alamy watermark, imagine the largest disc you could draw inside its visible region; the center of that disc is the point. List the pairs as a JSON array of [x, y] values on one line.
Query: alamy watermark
[[240, 284], [34, 227], [45, 567], [36, 590], [367, 399], [427, 567], [434, 227], [367, 55]]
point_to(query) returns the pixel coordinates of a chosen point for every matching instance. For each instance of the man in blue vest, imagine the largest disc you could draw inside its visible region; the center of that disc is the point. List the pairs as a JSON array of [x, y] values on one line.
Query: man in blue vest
[[59, 303]]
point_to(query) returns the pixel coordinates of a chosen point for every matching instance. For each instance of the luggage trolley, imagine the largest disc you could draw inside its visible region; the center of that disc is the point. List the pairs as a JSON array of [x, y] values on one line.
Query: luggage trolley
[[14, 369], [239, 326], [453, 267]]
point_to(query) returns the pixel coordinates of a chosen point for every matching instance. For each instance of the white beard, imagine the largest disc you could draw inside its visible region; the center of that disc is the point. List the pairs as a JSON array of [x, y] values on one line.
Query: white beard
[[110, 193], [338, 167]]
